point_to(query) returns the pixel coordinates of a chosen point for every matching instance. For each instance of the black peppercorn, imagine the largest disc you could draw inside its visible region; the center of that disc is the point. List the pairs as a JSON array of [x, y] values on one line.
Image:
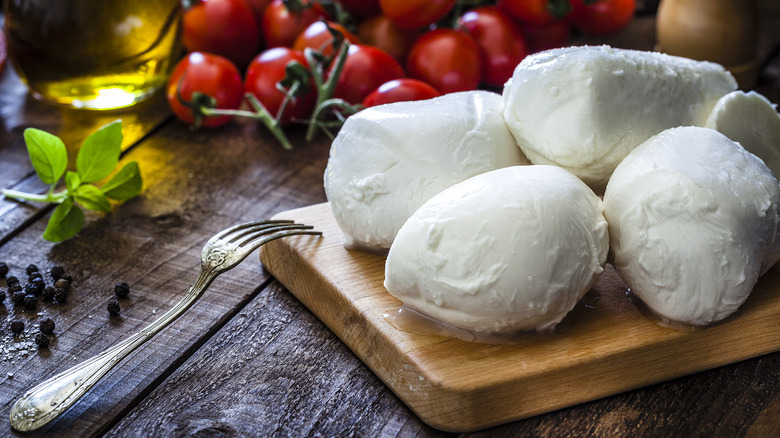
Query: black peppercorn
[[3, 269], [42, 340], [2, 295], [30, 301], [34, 287], [62, 284], [122, 290], [35, 275], [31, 269], [113, 307], [18, 296], [61, 295], [48, 293], [57, 272], [17, 326], [11, 280], [30, 288], [13, 288], [47, 326]]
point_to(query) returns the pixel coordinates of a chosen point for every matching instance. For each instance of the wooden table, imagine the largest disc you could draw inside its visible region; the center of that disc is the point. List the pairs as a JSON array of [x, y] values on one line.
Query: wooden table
[[249, 359]]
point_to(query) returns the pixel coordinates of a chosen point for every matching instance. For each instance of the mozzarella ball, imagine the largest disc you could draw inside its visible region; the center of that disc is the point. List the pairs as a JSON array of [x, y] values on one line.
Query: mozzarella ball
[[388, 160], [751, 120], [509, 250], [693, 223], [586, 108]]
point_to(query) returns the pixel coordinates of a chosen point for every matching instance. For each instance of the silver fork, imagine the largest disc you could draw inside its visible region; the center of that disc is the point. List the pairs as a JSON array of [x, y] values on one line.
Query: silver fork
[[223, 252]]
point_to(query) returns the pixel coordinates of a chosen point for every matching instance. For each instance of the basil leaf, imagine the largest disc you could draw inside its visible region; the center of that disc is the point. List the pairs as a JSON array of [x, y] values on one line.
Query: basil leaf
[[99, 154], [64, 223], [72, 181], [125, 184], [91, 198], [48, 154]]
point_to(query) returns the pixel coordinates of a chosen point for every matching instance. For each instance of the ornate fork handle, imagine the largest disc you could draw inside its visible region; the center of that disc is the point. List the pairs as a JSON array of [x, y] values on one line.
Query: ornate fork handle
[[50, 398], [222, 252]]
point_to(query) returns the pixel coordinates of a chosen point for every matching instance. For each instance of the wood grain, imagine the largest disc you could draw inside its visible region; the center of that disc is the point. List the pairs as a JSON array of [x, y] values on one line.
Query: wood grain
[[600, 349], [280, 374], [195, 185]]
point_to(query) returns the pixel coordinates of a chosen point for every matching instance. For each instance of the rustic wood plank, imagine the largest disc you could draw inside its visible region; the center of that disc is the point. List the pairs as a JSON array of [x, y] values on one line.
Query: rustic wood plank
[[272, 371], [195, 185]]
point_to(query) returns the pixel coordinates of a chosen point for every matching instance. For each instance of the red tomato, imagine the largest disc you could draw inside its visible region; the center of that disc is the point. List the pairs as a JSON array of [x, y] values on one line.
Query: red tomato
[[221, 27], [318, 37], [265, 71], [281, 25], [548, 36], [415, 14], [382, 33], [362, 8], [258, 7], [212, 75], [400, 90], [602, 17], [447, 59], [365, 69], [500, 42], [536, 12]]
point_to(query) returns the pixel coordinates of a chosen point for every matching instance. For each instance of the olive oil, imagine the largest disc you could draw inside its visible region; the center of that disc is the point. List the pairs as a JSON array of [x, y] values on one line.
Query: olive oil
[[93, 54]]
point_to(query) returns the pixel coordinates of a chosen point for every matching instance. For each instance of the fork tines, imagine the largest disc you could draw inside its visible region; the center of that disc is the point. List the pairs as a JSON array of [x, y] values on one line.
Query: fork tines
[[245, 233]]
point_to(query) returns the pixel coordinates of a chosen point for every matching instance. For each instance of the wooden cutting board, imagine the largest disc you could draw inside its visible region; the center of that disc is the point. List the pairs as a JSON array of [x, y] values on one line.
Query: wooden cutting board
[[603, 347]]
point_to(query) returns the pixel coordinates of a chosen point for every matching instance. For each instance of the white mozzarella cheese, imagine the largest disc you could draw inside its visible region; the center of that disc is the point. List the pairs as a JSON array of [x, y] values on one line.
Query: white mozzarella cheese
[[693, 223], [586, 108], [388, 160], [508, 250], [751, 120]]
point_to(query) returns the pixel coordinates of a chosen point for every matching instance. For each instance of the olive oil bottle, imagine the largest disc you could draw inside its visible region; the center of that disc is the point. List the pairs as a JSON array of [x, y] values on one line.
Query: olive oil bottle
[[93, 54]]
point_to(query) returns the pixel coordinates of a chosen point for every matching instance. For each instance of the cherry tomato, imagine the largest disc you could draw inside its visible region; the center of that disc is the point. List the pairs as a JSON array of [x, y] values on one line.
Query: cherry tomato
[[500, 42], [212, 75], [548, 36], [536, 12], [282, 25], [448, 59], [415, 14], [222, 27], [362, 8], [381, 32], [318, 37], [400, 90], [365, 69], [602, 17], [258, 7], [265, 71]]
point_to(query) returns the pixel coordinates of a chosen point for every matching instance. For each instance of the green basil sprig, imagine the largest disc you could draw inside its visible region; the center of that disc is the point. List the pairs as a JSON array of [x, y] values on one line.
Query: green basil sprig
[[97, 158]]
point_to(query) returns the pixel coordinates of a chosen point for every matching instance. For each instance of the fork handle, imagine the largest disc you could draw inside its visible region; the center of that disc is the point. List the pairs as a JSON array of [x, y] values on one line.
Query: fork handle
[[45, 402]]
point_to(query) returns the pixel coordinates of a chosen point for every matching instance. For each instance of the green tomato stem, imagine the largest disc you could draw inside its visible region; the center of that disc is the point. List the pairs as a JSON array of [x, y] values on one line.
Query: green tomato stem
[[326, 89], [341, 104], [261, 114], [287, 98], [269, 121]]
